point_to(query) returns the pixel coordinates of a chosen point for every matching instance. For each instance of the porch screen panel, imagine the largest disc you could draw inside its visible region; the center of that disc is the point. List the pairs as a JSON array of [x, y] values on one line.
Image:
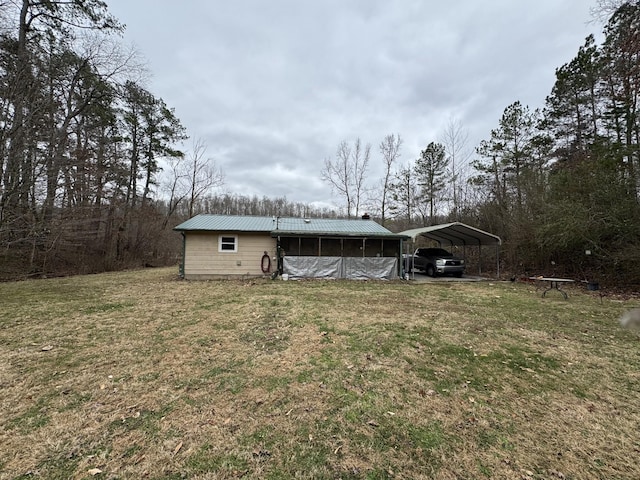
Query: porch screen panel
[[312, 267]]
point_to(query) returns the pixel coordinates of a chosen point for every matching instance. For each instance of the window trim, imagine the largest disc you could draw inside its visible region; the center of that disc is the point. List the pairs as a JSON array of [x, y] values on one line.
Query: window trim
[[227, 236]]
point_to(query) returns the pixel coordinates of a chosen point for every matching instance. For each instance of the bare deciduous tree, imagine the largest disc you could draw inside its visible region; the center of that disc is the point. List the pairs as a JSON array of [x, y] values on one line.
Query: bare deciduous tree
[[337, 174], [390, 150], [603, 9], [347, 173], [360, 165], [204, 174], [190, 179], [454, 138]]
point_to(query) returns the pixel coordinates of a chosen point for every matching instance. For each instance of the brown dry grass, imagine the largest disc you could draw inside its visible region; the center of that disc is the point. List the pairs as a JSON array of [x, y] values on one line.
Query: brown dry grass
[[152, 377]]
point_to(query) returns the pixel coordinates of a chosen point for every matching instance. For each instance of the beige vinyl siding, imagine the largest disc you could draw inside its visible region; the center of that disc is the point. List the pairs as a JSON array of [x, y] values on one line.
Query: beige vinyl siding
[[203, 260]]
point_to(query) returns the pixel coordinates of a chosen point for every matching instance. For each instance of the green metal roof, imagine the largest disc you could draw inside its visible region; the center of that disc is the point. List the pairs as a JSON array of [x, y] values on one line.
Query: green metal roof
[[227, 223], [286, 226]]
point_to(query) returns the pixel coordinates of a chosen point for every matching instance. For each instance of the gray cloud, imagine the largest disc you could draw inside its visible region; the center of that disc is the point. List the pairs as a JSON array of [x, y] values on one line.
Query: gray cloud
[[273, 87]]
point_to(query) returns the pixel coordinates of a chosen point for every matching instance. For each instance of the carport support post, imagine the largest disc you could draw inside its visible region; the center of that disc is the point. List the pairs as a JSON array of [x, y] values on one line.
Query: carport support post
[[404, 273], [411, 251]]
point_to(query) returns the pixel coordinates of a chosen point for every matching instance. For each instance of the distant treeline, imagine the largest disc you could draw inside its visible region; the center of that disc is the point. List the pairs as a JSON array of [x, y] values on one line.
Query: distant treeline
[[93, 178], [94, 239]]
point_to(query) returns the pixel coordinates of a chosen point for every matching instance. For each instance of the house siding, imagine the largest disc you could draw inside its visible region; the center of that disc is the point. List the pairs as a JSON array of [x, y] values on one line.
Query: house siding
[[203, 260]]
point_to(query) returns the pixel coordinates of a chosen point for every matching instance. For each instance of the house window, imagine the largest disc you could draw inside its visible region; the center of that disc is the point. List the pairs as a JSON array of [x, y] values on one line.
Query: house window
[[228, 243]]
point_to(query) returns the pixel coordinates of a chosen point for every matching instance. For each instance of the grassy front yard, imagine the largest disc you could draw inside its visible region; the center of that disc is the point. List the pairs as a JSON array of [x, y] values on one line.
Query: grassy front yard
[[141, 375]]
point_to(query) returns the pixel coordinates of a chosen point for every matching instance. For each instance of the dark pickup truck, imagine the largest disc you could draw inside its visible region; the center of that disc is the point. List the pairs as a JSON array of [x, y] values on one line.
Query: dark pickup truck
[[435, 261]]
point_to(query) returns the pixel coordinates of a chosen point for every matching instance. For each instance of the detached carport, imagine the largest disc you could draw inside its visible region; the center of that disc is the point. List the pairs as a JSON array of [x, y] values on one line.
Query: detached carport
[[460, 235]]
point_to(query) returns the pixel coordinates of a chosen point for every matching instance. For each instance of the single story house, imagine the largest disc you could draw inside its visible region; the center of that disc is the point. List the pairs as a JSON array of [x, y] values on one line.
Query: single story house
[[228, 246]]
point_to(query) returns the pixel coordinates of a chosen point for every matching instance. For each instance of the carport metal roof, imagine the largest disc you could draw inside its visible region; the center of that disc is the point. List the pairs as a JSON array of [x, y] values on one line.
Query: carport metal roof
[[455, 233], [458, 234]]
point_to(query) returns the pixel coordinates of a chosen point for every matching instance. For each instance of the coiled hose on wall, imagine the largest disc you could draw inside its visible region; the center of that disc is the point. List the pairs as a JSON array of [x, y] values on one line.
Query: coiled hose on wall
[[265, 264]]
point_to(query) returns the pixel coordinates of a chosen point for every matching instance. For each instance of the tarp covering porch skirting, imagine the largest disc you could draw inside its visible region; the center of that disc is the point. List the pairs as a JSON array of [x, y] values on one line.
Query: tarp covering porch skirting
[[353, 268]]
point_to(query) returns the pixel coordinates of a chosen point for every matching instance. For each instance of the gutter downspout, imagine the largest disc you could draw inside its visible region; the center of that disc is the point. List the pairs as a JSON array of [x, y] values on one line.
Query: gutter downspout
[[184, 250], [401, 261]]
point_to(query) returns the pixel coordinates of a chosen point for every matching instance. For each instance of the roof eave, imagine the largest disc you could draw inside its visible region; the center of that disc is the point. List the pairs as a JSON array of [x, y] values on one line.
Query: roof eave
[[209, 230], [277, 233]]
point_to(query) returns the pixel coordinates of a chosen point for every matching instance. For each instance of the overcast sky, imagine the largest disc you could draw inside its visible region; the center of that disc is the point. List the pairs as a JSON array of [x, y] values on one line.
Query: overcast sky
[[272, 87]]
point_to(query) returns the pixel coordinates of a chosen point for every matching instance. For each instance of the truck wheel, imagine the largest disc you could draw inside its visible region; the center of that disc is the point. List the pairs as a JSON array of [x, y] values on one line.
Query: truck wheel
[[430, 271]]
